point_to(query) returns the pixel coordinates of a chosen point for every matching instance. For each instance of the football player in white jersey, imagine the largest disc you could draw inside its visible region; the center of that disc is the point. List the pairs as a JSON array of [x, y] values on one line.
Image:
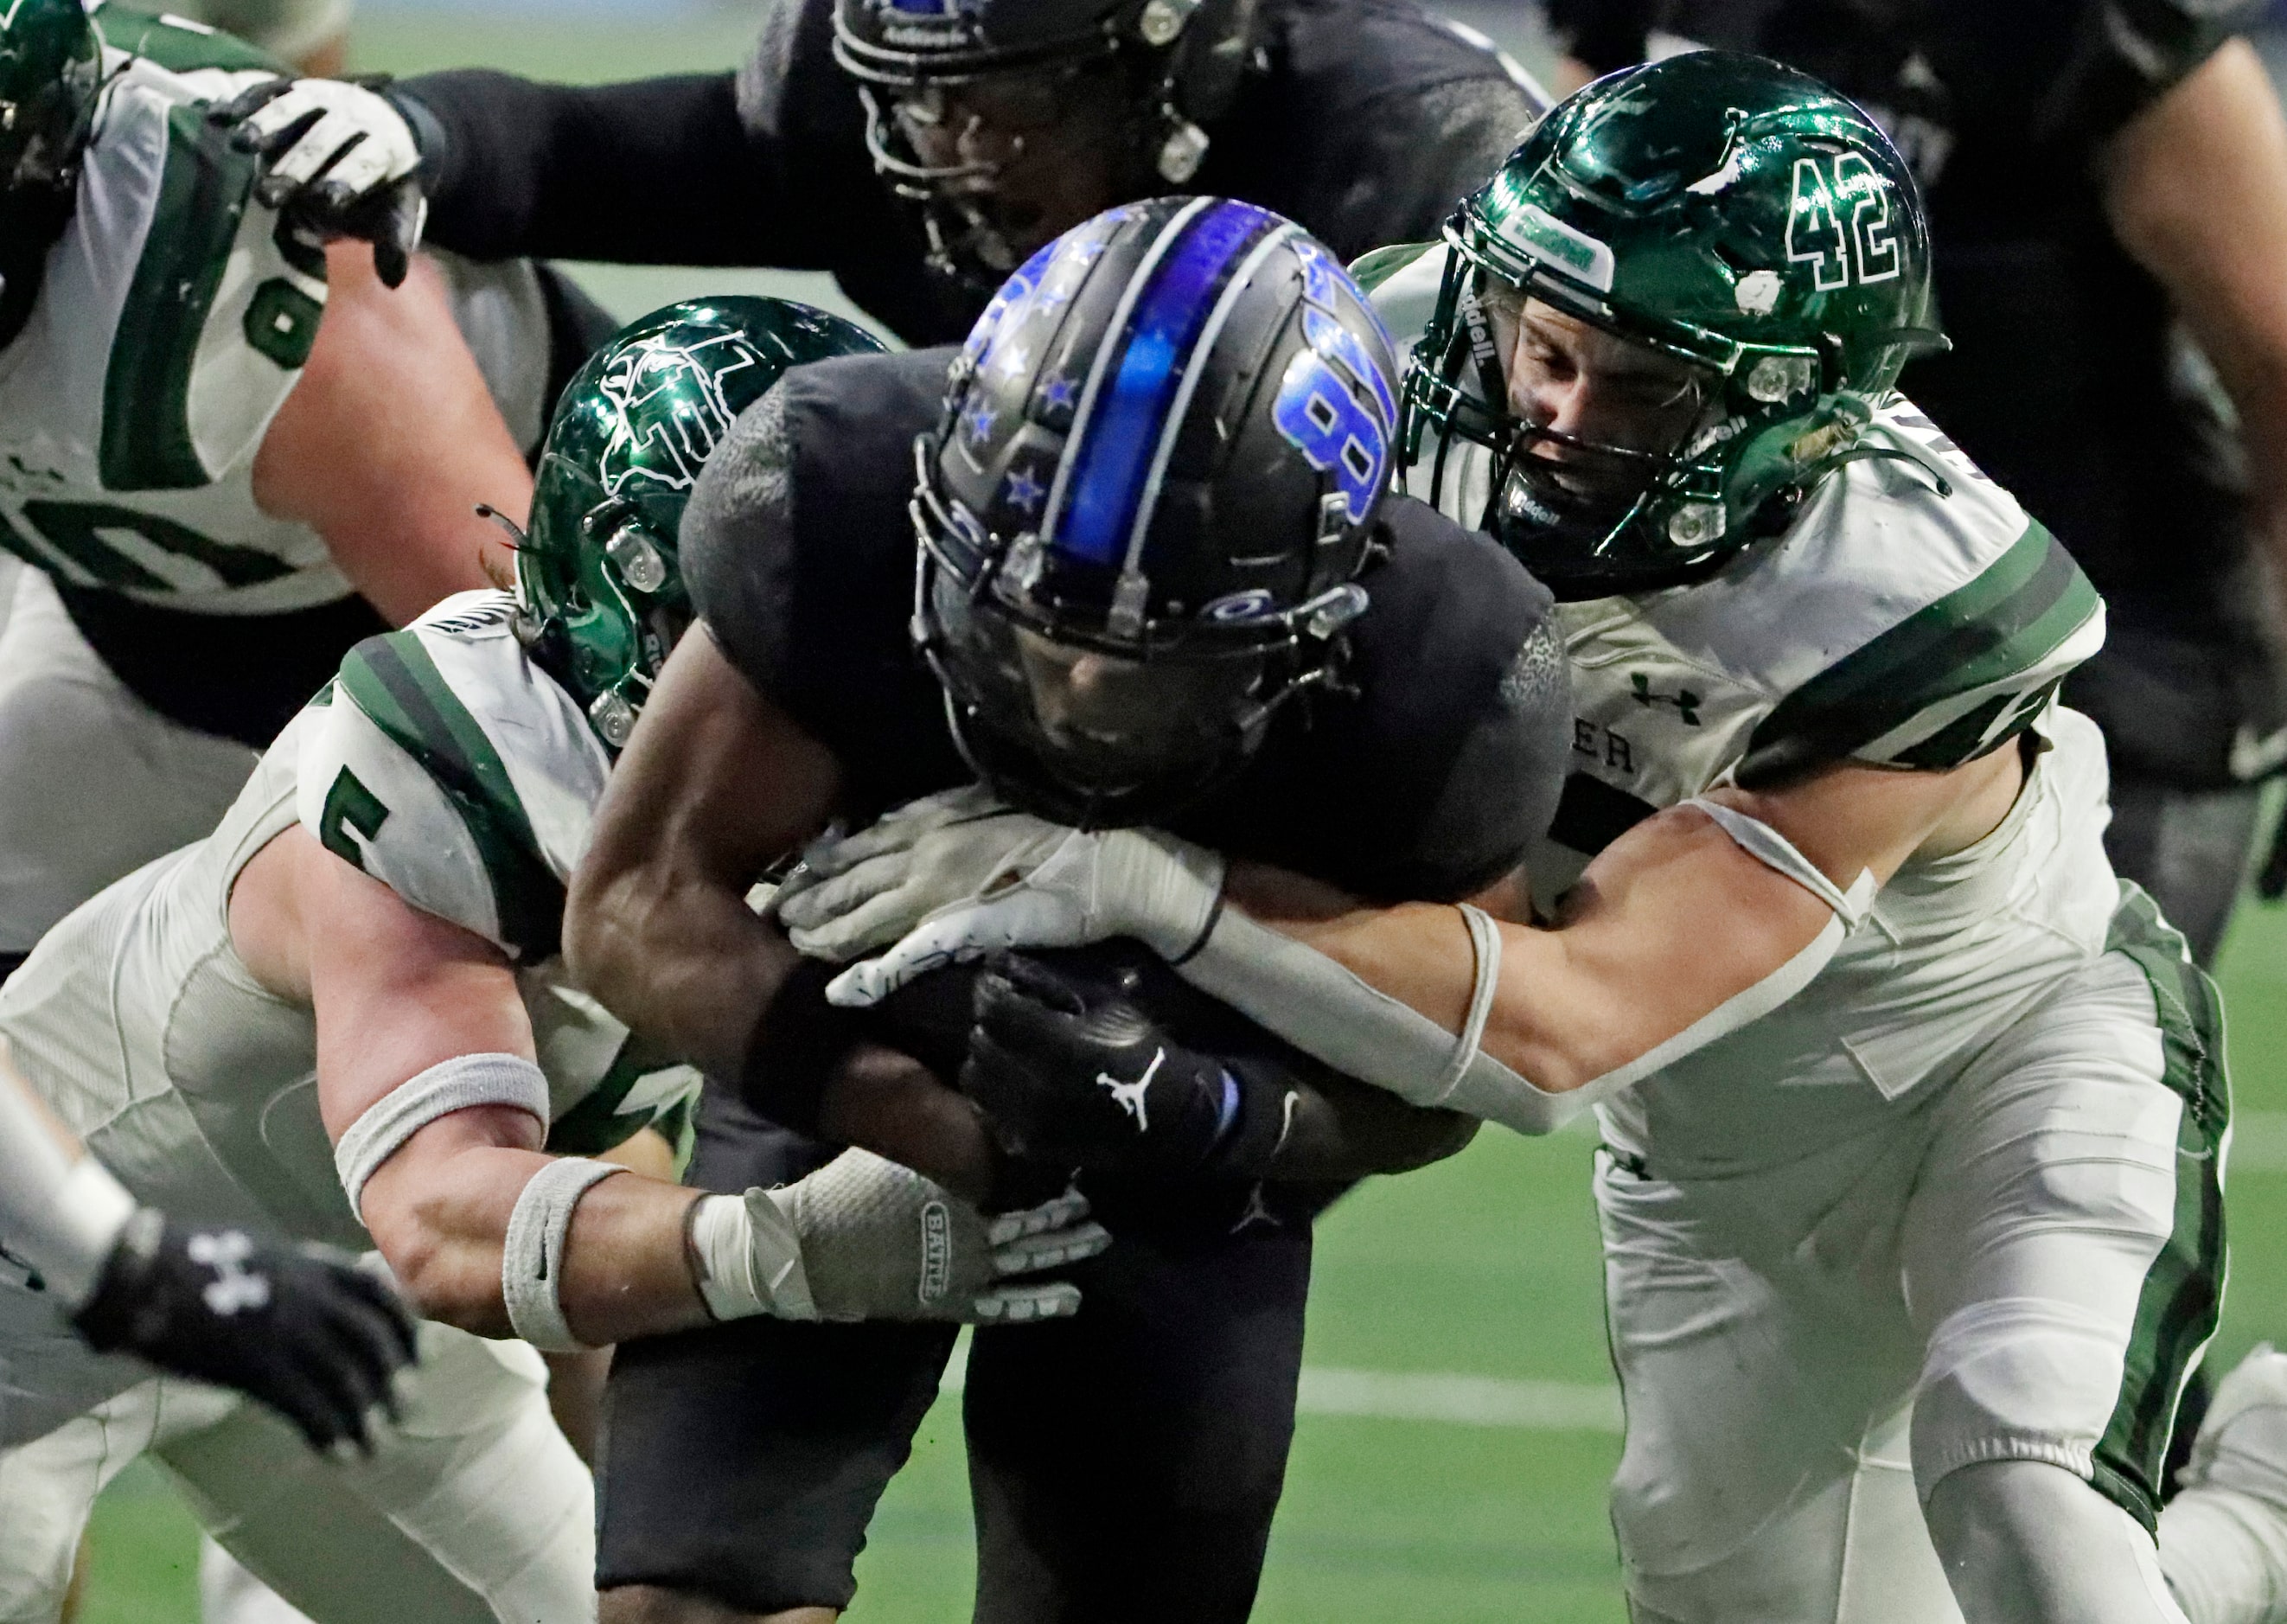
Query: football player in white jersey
[[1913, 1115], [343, 1014], [221, 473]]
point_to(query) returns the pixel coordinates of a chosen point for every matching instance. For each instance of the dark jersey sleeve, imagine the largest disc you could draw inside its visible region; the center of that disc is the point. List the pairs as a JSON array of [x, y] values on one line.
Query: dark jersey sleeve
[[799, 556], [765, 166], [1442, 762], [1372, 122], [658, 171]]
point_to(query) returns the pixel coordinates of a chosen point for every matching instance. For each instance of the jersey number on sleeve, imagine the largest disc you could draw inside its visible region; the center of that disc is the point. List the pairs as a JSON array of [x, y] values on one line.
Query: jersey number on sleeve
[[80, 532], [352, 816]]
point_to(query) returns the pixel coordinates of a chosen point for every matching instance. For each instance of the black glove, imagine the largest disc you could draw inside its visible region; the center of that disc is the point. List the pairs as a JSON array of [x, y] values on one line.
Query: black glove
[[298, 1327], [1071, 1067]]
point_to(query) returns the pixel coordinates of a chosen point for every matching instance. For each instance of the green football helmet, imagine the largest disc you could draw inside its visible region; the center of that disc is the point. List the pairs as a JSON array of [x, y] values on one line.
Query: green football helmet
[[1732, 221], [51, 74], [602, 600]]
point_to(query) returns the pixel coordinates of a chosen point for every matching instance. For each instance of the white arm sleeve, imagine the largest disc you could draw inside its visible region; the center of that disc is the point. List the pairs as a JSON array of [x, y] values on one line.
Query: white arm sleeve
[[59, 1214], [1326, 1010]]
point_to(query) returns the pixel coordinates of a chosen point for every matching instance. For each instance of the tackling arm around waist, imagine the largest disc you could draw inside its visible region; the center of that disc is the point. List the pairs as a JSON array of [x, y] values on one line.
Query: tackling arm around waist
[[1691, 925]]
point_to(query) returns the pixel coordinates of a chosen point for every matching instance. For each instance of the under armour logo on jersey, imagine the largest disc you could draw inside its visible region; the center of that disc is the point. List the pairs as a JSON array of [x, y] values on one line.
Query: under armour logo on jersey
[[1129, 1096], [233, 1288], [1686, 702]]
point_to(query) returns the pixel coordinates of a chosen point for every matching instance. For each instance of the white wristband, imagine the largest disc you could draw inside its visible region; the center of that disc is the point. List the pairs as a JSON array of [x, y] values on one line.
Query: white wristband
[[748, 1257], [532, 1258], [90, 1211], [448, 1086]]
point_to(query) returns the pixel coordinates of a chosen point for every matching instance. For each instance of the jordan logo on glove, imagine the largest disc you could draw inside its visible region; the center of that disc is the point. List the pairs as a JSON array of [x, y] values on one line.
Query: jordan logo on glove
[[1129, 1096], [232, 1288]]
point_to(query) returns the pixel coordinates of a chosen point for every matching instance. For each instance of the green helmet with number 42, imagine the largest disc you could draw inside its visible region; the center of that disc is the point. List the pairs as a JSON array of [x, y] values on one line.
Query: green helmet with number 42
[[51, 74], [1721, 211], [601, 597]]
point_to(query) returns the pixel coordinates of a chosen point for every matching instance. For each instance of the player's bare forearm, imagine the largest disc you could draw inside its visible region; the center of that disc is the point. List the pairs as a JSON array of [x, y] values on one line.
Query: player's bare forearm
[[389, 439], [895, 1106], [2196, 187], [440, 1210], [716, 786], [1669, 923]]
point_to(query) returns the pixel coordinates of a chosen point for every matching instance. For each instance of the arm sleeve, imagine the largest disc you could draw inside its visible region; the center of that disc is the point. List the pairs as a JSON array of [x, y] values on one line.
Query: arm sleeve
[[2125, 57], [1420, 151], [655, 171], [736, 543]]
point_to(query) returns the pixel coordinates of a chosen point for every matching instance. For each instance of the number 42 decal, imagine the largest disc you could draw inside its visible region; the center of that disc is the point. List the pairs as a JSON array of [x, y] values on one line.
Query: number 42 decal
[[1865, 249]]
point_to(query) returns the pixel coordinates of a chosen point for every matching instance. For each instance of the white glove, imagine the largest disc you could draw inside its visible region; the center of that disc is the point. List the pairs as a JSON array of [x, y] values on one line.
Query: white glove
[[339, 158], [865, 1238], [860, 892], [1136, 882]]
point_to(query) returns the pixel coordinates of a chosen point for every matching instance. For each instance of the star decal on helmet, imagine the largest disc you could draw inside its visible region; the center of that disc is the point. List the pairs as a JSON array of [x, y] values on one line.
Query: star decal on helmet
[[1023, 491]]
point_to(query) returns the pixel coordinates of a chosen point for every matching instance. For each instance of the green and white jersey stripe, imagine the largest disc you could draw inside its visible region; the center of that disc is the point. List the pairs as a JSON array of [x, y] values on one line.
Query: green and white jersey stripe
[[173, 319], [447, 765]]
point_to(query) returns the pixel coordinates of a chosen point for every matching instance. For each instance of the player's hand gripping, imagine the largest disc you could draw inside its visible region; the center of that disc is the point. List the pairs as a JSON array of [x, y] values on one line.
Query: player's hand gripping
[[855, 894], [961, 888], [338, 160], [879, 1241], [1071, 1070], [300, 1329]]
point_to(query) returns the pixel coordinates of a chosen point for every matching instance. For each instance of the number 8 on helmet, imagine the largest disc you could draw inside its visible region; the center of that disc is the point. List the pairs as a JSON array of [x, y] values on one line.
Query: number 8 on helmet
[[1144, 511]]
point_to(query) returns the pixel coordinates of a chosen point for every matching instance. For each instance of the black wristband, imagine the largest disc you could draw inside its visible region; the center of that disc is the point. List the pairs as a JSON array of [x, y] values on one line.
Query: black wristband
[[1250, 1145], [798, 1046], [108, 1318]]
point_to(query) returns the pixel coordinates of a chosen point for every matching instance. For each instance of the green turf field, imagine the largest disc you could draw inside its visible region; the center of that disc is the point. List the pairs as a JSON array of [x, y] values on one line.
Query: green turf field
[[1484, 1267]]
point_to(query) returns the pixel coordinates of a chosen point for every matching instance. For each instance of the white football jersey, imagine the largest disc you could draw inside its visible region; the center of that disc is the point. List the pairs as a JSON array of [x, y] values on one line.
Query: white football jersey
[[173, 319], [1912, 616], [448, 766]]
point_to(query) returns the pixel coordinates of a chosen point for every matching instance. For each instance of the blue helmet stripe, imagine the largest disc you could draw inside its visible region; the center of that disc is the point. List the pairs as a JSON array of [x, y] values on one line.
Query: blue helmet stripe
[[1107, 468]]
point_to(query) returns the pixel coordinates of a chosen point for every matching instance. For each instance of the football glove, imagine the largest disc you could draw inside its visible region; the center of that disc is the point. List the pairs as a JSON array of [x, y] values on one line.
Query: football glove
[[339, 160], [1070, 1068], [857, 893], [864, 1237], [299, 1327], [1067, 889]]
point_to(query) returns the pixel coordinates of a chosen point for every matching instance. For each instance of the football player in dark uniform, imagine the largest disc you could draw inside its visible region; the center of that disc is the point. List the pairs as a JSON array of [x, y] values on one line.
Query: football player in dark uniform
[[1157, 579], [920, 149], [2102, 181]]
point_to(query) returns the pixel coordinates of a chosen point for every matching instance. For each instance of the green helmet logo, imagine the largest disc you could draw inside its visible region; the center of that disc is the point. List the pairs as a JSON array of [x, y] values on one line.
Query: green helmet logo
[[1751, 238], [603, 601], [51, 74]]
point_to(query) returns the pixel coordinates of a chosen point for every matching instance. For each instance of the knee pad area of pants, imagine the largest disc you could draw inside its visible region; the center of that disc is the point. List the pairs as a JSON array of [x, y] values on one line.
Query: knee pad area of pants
[[2019, 1379]]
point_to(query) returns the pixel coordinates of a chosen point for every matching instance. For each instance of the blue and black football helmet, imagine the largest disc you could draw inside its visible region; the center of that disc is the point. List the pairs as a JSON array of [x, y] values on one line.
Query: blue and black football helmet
[[1146, 74], [1145, 509]]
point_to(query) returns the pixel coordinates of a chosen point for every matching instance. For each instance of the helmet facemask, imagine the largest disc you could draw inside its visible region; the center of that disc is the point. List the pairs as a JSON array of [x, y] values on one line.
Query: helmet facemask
[[1685, 438], [1077, 722], [992, 160], [1005, 133]]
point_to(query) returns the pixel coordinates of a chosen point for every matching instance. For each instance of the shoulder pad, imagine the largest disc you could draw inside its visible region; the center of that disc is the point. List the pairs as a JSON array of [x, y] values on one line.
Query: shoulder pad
[[456, 773], [1967, 615], [180, 45], [220, 316]]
